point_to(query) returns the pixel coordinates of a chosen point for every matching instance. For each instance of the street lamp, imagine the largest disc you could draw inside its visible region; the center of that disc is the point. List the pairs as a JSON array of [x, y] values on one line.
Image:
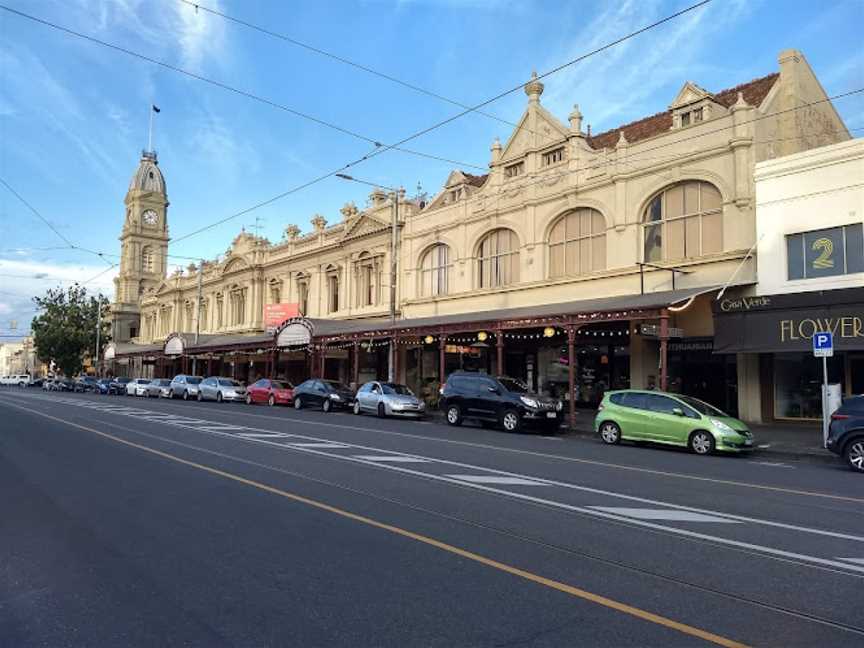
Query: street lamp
[[393, 234]]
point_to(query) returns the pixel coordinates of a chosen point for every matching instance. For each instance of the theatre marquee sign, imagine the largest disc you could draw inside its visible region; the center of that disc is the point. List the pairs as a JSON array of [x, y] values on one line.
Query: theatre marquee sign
[[777, 323]]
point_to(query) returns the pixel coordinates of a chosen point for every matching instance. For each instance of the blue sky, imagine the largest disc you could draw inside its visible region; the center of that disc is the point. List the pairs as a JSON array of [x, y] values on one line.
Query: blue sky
[[73, 114]]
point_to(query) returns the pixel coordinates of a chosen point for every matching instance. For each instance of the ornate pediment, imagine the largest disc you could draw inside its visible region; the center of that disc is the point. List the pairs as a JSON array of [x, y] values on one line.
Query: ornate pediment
[[688, 94], [234, 264], [545, 131], [364, 225]]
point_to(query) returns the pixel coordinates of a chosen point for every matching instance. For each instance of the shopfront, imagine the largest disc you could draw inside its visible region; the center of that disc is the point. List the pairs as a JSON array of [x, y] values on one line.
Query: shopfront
[[774, 334]]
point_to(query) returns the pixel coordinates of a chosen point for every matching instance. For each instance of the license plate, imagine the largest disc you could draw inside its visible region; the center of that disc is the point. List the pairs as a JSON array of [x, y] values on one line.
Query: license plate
[[550, 414]]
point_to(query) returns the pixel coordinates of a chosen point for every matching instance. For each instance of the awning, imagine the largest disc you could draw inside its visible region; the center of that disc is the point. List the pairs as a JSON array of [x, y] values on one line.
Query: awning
[[783, 323], [621, 307]]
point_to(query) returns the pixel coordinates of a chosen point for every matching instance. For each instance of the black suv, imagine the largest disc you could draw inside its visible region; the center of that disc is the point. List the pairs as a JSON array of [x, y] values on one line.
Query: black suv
[[846, 433], [326, 394], [503, 402]]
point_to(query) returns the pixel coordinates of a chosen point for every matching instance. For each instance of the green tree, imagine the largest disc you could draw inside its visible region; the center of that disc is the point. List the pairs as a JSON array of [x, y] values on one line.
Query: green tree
[[64, 332]]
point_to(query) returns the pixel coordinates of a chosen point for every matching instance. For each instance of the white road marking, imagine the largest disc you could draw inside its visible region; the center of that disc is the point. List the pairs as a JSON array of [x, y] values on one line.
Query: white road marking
[[492, 479], [663, 514], [262, 435], [860, 561], [318, 444], [773, 464], [391, 458]]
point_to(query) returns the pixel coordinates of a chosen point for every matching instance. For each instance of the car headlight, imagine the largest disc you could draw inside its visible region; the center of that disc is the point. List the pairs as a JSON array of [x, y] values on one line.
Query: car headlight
[[530, 402], [335, 397], [559, 406], [722, 427]]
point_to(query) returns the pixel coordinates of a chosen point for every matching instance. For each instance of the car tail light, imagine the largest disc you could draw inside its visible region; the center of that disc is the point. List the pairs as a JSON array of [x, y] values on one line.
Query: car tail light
[[600, 407], [839, 417]]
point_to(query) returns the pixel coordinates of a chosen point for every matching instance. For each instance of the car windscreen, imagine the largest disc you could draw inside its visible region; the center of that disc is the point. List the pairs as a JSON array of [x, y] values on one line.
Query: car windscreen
[[396, 390], [194, 380], [124, 380], [333, 384], [514, 386], [702, 407], [228, 382]]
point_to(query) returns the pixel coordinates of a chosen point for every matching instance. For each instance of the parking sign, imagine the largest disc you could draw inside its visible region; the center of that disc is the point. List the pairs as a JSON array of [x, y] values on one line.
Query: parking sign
[[823, 344]]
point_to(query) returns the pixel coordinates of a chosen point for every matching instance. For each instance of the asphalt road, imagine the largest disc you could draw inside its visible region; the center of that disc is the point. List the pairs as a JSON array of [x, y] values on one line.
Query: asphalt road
[[141, 522]]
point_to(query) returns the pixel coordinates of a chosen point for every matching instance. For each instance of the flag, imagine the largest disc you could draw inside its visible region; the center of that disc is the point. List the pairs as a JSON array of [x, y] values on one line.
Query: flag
[[156, 108]]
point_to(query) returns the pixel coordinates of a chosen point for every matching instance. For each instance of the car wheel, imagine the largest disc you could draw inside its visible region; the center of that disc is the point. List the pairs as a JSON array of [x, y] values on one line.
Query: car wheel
[[271, 401], [382, 412], [298, 403], [356, 407], [610, 433], [200, 397], [701, 442], [218, 397], [248, 399], [185, 395], [511, 421], [326, 406], [854, 454], [454, 415]]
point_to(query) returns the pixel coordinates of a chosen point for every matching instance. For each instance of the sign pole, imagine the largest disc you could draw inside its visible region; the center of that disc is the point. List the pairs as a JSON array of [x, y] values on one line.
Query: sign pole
[[825, 416]]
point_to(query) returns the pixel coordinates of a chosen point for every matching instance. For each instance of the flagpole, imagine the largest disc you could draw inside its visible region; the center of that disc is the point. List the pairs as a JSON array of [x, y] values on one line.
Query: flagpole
[[150, 133]]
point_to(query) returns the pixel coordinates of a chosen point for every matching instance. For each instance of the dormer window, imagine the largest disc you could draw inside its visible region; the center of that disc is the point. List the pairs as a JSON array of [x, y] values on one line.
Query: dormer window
[[553, 157], [685, 119], [697, 115], [513, 170]]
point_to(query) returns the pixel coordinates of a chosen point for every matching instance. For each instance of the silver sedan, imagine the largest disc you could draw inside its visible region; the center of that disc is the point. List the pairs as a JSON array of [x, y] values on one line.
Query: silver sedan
[[161, 387], [221, 389], [388, 399]]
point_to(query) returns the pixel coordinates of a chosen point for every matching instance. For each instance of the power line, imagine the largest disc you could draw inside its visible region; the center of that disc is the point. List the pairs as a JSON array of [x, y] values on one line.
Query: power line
[[238, 91], [346, 61]]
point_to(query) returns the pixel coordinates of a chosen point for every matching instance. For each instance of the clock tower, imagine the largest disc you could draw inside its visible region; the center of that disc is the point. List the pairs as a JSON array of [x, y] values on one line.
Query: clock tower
[[143, 246]]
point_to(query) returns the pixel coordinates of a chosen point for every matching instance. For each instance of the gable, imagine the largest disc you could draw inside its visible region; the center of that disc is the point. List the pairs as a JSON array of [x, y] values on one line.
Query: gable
[[546, 131], [364, 225], [689, 93]]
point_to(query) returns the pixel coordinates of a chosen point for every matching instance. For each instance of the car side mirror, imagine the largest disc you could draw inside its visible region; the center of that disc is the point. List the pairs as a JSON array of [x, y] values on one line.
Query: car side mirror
[[677, 411]]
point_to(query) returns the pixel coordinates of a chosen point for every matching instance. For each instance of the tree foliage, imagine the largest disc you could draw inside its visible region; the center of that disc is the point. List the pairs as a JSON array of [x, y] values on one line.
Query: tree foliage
[[64, 332]]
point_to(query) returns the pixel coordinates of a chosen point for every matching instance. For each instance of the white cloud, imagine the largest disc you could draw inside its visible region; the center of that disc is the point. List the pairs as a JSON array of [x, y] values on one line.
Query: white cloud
[[29, 278], [218, 146]]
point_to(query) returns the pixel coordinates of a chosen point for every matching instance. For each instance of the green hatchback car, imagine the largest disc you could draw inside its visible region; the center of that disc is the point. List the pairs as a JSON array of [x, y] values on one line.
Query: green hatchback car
[[673, 419]]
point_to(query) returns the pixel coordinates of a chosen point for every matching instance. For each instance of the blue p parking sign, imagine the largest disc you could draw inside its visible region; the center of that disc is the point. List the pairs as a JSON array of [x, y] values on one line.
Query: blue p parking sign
[[823, 344]]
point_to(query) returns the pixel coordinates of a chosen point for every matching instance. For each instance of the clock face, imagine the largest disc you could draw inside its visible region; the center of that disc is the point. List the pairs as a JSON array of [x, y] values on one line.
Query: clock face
[[149, 217]]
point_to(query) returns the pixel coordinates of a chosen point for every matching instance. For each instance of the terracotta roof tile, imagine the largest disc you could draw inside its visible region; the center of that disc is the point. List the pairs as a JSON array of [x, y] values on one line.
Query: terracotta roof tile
[[475, 180], [754, 93]]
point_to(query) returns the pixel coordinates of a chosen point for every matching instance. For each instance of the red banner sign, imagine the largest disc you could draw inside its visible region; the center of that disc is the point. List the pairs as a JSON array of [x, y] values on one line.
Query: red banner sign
[[275, 314]]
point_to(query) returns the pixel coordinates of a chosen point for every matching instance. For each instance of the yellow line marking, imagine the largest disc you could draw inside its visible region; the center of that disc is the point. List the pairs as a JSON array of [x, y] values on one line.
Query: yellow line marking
[[470, 555]]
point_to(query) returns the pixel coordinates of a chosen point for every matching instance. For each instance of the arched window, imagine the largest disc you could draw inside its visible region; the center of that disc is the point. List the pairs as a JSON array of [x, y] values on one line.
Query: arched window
[[367, 279], [203, 324], [275, 291], [577, 243], [220, 311], [498, 259], [332, 289], [435, 271], [684, 221], [147, 261], [303, 293], [238, 306], [188, 316]]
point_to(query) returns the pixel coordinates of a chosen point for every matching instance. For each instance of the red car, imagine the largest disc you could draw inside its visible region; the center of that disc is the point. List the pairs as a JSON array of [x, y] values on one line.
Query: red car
[[272, 392]]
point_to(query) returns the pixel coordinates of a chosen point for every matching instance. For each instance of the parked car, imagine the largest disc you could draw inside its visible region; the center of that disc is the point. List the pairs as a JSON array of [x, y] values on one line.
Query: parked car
[[326, 394], [118, 386], [102, 386], [36, 382], [846, 432], [84, 384], [671, 419], [497, 402], [272, 392], [137, 387], [221, 389], [64, 384], [185, 387], [48, 384], [388, 399], [160, 387], [17, 380]]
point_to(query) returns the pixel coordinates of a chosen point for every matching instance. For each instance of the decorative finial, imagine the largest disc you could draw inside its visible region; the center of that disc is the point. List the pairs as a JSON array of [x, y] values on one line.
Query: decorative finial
[[740, 102], [534, 88], [292, 232], [319, 223], [622, 141], [576, 120]]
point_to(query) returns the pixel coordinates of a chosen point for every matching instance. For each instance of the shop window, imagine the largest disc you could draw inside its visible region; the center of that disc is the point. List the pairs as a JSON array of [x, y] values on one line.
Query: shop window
[[684, 221], [798, 384], [577, 243], [498, 259], [825, 252], [435, 271]]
